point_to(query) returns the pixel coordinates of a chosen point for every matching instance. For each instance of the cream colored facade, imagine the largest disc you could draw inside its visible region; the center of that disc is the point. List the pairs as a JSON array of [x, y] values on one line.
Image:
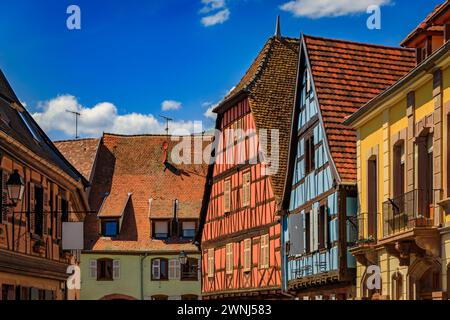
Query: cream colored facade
[[134, 280], [406, 234]]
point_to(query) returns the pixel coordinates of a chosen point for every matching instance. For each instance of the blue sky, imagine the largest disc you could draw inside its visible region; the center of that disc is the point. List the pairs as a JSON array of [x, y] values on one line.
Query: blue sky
[[131, 56]]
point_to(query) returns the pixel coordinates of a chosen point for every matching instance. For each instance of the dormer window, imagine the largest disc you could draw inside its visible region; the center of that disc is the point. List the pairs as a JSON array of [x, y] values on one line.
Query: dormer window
[[110, 228], [189, 229], [161, 229], [29, 126]]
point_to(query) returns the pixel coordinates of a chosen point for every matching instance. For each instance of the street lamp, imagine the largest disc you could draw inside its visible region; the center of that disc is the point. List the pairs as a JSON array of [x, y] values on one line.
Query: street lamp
[[16, 187], [183, 258]]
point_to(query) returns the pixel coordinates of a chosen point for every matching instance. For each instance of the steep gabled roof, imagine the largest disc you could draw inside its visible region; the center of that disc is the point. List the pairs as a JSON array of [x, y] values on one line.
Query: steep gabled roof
[[346, 75], [81, 153], [18, 124], [270, 85], [131, 181], [428, 24]]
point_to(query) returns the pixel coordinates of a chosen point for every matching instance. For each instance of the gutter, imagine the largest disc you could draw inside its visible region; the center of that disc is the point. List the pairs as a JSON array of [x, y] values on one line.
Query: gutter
[[424, 67], [143, 257]]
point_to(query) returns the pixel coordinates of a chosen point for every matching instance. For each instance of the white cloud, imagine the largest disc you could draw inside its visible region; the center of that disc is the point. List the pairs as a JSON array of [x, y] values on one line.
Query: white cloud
[[217, 18], [170, 105], [211, 5], [209, 114], [329, 8], [102, 117]]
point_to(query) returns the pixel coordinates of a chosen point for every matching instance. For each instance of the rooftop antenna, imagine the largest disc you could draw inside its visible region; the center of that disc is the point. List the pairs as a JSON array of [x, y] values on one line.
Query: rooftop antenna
[[77, 115], [167, 123], [278, 28]]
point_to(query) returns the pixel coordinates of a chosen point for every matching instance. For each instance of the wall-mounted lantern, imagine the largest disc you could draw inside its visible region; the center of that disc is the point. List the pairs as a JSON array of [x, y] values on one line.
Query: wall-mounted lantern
[[16, 188]]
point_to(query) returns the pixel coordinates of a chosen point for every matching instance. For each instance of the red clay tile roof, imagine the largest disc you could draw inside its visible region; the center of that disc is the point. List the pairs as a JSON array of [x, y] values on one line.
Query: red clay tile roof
[[80, 153], [427, 23], [114, 205], [347, 75], [163, 209], [134, 164], [270, 83]]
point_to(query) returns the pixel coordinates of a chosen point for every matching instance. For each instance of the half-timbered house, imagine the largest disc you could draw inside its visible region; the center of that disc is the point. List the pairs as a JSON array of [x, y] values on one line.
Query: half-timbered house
[[335, 78], [33, 264], [240, 228]]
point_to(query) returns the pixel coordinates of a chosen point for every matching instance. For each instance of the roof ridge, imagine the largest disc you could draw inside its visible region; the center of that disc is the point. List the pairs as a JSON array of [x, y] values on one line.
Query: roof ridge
[[75, 140], [152, 135], [361, 43]]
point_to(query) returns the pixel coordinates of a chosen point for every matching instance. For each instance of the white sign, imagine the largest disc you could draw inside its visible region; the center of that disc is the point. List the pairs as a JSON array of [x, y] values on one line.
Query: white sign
[[72, 236]]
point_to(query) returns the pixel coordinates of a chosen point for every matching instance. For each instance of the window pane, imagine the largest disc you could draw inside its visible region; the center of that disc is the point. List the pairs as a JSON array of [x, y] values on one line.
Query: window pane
[[110, 229]]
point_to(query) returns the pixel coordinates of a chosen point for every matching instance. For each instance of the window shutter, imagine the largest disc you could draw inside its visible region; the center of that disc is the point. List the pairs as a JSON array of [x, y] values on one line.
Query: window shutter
[[46, 213], [99, 269], [264, 254], [174, 269], [316, 228], [210, 263], [246, 189], [311, 231], [116, 269], [227, 196], [199, 269], [93, 268], [32, 207], [247, 255], [4, 213], [229, 258], [59, 217], [156, 271]]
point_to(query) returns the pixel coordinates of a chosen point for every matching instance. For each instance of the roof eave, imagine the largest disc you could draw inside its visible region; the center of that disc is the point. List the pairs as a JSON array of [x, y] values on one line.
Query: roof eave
[[425, 66]]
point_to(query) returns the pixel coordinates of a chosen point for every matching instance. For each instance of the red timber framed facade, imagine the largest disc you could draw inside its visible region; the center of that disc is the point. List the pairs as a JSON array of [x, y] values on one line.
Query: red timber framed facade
[[240, 231]]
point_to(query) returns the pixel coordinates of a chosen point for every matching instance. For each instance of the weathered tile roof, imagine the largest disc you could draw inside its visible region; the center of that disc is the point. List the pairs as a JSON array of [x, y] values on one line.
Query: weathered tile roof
[[134, 164], [80, 153], [114, 205], [347, 75], [427, 23], [270, 84], [12, 125]]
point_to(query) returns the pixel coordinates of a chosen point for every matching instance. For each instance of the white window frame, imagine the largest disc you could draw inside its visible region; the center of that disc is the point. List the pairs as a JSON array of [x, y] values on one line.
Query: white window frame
[[247, 255], [229, 259], [156, 269]]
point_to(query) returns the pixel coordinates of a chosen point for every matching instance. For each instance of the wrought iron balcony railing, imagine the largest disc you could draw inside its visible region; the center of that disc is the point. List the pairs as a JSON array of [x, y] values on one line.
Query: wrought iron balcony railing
[[410, 210], [368, 227]]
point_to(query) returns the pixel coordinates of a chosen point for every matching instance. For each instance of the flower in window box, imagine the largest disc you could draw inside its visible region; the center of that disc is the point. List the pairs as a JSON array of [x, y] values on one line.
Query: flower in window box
[[39, 247]]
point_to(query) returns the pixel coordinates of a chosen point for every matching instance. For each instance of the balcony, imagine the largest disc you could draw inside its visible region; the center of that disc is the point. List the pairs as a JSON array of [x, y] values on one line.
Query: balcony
[[368, 228], [411, 210]]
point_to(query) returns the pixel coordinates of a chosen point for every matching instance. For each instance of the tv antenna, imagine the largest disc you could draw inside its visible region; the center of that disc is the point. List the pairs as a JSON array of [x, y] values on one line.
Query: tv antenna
[[77, 115], [168, 120]]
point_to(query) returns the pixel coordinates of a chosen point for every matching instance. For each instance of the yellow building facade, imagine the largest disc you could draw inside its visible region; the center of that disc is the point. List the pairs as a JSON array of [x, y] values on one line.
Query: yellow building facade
[[403, 185]]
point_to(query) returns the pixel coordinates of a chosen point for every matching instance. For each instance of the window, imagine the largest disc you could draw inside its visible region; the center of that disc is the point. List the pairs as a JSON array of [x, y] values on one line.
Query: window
[[310, 153], [174, 269], [116, 269], [307, 232], [93, 269], [188, 229], [39, 211], [399, 171], [104, 270], [246, 189], [210, 263], [372, 192], [8, 292], [323, 227], [110, 228], [229, 258], [265, 252], [160, 229], [189, 271], [29, 126], [247, 255], [160, 269], [227, 196]]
